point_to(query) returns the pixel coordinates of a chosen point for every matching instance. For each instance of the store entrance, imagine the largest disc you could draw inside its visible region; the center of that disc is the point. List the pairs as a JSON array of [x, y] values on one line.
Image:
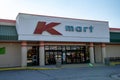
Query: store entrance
[[77, 56], [33, 56], [52, 55], [68, 54]]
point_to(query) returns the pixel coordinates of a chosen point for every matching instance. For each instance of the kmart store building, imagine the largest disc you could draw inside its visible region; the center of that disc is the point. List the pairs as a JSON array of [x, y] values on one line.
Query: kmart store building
[[39, 40]]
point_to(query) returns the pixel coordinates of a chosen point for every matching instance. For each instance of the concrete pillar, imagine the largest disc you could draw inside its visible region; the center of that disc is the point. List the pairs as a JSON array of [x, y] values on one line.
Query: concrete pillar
[[24, 54], [41, 54], [103, 52], [91, 49]]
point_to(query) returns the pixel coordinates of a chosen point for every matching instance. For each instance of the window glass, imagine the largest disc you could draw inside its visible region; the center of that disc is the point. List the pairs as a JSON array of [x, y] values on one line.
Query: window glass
[[59, 47], [67, 47], [53, 47], [46, 47], [63, 48], [73, 47]]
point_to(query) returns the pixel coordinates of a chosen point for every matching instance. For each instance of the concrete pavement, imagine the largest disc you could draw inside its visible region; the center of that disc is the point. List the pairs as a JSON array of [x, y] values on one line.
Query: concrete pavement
[[66, 73]]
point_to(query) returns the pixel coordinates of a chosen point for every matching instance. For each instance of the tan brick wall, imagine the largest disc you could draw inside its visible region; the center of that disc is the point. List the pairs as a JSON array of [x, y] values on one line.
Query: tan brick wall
[[113, 50], [12, 57]]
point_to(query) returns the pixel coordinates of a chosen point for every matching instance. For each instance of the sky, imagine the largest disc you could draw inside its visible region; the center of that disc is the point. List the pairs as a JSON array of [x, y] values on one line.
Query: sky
[[101, 10]]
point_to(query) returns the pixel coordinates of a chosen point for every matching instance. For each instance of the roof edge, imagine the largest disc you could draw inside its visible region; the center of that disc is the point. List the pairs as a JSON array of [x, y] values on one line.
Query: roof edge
[[61, 17], [115, 29], [7, 21]]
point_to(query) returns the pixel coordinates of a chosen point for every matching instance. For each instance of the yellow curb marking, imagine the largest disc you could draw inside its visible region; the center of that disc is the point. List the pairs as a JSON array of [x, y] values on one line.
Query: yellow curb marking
[[26, 68]]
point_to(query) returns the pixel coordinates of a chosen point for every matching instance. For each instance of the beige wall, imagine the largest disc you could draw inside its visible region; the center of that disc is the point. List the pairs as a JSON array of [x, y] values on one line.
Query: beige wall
[[12, 57], [113, 50], [98, 54]]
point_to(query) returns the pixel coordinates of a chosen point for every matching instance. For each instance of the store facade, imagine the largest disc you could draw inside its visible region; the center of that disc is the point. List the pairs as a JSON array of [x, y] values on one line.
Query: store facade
[[43, 39]]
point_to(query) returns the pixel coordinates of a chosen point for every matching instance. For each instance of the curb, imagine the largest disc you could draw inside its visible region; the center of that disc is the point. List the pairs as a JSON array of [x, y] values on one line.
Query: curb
[[26, 68]]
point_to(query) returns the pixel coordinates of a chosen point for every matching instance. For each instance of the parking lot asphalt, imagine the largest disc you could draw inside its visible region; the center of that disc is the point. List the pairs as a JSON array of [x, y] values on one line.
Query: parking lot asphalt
[[73, 73]]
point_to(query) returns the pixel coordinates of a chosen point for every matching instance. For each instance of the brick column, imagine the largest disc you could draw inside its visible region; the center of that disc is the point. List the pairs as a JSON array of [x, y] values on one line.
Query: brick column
[[103, 52], [24, 54], [91, 49], [41, 54]]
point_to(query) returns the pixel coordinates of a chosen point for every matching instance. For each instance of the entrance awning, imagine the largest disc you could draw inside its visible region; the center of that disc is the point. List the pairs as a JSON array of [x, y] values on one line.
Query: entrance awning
[[8, 32], [114, 36]]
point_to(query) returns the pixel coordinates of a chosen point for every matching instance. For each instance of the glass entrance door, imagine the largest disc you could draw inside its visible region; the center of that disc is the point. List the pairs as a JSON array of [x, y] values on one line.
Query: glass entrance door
[[76, 56], [51, 56], [69, 54], [33, 56]]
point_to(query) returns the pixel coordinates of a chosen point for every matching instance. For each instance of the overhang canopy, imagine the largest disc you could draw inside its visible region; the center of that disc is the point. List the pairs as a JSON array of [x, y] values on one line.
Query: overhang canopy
[[8, 32], [114, 36]]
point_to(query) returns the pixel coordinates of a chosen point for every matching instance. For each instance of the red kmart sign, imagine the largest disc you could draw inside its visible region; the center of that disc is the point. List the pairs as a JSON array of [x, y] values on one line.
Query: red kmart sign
[[46, 28], [42, 26]]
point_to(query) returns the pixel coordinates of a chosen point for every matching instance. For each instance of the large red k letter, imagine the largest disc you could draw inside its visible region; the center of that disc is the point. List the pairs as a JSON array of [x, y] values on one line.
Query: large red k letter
[[42, 26]]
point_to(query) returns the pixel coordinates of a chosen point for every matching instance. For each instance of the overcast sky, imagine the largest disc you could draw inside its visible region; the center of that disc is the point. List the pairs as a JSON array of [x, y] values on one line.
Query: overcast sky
[[103, 10]]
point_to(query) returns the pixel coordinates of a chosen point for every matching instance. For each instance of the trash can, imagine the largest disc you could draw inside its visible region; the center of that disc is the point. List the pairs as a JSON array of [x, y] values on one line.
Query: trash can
[[107, 61], [58, 61]]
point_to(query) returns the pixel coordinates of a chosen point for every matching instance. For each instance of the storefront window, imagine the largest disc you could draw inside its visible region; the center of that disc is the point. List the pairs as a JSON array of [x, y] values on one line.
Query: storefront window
[[73, 47], [68, 57], [69, 54], [78, 47], [59, 47], [53, 47], [63, 48], [47, 57], [46, 47], [33, 56], [67, 47]]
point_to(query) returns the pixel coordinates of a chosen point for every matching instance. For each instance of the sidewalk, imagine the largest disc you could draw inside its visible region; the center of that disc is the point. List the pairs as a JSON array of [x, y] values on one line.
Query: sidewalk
[[81, 65], [51, 67], [68, 66]]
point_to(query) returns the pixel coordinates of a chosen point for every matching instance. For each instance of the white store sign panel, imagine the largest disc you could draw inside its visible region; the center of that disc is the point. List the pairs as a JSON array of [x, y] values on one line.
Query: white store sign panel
[[46, 28]]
